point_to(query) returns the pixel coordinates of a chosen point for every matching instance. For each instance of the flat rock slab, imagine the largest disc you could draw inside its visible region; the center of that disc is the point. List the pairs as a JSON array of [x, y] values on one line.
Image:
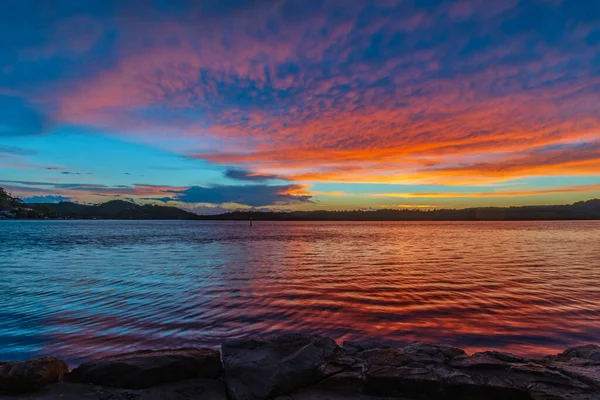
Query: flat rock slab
[[428, 353], [588, 352], [143, 369], [439, 372], [318, 394], [31, 375], [205, 389], [259, 368]]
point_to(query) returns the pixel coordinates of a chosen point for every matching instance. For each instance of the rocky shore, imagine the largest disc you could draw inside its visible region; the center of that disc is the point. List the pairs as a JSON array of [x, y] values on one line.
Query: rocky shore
[[306, 367]]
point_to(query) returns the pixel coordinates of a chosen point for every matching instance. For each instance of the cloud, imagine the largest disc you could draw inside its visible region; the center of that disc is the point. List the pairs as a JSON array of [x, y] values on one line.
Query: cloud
[[209, 210], [380, 86], [251, 195], [580, 158], [244, 175], [46, 199], [85, 191], [16, 151], [165, 199], [497, 193], [75, 173]]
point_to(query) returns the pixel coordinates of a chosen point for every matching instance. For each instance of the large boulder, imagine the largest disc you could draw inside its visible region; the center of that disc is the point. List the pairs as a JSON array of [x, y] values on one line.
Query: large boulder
[[191, 389], [31, 375], [581, 363], [588, 352], [146, 368], [425, 371], [259, 368]]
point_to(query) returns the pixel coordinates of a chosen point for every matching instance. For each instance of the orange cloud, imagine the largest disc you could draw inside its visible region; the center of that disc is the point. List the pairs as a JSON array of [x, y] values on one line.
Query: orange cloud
[[316, 98], [507, 193]]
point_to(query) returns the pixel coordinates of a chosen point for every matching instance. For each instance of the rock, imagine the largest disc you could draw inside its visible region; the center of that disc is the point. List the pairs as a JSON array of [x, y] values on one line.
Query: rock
[[588, 352], [205, 389], [432, 353], [323, 394], [388, 357], [580, 370], [146, 368], [487, 360], [423, 371], [383, 380], [357, 347], [31, 375], [581, 363], [348, 381], [338, 364], [258, 368]]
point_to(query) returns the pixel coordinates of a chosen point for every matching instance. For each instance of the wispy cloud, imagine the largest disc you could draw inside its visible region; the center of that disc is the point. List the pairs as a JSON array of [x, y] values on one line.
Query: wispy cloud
[[497, 193], [244, 175], [257, 195], [251, 195], [18, 151]]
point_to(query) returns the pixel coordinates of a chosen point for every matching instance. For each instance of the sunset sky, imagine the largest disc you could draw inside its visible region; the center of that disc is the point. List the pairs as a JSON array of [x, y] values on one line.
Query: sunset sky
[[301, 104]]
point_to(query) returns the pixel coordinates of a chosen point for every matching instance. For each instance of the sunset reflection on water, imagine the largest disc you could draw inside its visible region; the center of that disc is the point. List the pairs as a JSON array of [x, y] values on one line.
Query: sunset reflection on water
[[79, 289]]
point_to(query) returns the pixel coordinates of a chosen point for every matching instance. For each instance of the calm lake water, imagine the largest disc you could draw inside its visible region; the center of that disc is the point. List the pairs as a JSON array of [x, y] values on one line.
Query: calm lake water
[[78, 289]]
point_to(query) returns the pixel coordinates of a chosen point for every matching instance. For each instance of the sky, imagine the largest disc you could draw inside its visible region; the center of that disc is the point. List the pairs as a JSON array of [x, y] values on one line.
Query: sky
[[301, 104]]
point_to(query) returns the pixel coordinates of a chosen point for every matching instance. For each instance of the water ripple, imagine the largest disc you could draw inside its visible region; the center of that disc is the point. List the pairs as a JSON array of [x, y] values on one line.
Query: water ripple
[[79, 289]]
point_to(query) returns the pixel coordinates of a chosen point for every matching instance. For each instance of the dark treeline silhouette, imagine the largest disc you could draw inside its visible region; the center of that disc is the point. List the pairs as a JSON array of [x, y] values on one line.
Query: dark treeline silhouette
[[11, 207], [584, 210]]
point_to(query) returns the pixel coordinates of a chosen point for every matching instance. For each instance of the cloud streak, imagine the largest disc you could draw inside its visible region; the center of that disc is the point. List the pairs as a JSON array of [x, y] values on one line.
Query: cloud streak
[[244, 175], [256, 195], [251, 195]]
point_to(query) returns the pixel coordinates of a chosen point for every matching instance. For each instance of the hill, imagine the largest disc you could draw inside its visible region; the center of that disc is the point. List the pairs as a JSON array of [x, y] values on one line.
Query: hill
[[116, 209], [11, 207], [584, 210]]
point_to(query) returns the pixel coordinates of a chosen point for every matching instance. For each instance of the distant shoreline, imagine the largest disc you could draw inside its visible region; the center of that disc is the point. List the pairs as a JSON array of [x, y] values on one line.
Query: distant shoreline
[[209, 219], [14, 208]]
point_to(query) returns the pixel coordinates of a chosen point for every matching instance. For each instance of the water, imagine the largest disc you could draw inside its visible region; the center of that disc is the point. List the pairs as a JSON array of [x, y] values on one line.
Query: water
[[81, 289]]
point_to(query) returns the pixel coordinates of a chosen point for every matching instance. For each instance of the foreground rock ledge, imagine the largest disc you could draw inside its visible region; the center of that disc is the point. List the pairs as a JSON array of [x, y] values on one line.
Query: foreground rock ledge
[[143, 369], [258, 368], [34, 374], [308, 367]]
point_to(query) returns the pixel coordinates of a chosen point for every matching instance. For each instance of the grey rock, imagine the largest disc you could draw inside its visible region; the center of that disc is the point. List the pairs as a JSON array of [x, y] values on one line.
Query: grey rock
[[579, 369], [259, 368], [356, 347], [422, 371], [487, 360], [589, 352], [205, 389], [388, 357], [324, 394], [348, 381], [401, 381], [30, 375], [432, 353], [143, 369]]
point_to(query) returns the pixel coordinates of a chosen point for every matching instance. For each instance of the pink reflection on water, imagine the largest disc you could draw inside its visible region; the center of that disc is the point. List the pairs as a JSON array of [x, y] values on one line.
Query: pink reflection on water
[[527, 288]]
